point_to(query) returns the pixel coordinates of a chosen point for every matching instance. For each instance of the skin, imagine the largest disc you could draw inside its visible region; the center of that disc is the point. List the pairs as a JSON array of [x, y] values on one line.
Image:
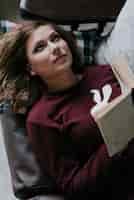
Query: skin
[[50, 58]]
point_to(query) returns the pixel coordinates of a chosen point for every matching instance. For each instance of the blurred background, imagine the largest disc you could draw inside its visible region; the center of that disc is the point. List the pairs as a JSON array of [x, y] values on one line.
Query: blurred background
[[9, 9], [6, 192]]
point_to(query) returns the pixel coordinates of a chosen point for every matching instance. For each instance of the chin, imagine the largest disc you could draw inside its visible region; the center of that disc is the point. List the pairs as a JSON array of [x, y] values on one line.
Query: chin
[[63, 68]]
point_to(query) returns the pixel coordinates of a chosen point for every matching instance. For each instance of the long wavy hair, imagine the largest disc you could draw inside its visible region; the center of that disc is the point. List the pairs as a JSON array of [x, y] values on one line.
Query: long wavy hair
[[16, 83]]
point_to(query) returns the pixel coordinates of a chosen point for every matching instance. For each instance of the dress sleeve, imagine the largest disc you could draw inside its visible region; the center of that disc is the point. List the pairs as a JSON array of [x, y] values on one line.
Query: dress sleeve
[[71, 176]]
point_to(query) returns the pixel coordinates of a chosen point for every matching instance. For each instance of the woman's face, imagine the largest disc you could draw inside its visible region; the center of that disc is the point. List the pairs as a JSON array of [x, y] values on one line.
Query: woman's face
[[48, 54]]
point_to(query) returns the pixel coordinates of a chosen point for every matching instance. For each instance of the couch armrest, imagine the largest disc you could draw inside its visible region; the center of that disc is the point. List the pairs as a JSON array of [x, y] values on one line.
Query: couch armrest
[[27, 179]]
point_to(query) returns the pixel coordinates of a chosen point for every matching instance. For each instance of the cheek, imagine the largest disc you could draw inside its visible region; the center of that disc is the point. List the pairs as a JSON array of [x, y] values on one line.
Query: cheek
[[70, 56], [40, 60], [42, 67], [68, 51]]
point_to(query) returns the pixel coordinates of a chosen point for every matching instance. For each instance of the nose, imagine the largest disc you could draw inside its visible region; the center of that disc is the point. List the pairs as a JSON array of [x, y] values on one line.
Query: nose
[[54, 47]]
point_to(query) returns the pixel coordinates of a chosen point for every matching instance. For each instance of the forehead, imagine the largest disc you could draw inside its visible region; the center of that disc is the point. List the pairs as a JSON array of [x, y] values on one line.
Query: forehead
[[43, 30]]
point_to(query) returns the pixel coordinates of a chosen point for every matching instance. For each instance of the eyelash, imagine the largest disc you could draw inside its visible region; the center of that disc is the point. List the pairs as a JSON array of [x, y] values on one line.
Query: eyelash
[[41, 45], [55, 38]]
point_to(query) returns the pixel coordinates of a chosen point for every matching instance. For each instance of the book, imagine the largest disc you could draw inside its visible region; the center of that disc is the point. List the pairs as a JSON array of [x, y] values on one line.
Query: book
[[116, 123], [116, 119]]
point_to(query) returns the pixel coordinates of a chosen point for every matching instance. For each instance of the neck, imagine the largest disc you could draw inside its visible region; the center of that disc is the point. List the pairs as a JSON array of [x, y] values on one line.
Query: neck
[[63, 81]]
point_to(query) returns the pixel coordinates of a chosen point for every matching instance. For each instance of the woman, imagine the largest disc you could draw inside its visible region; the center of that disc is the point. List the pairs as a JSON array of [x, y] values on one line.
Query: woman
[[64, 136]]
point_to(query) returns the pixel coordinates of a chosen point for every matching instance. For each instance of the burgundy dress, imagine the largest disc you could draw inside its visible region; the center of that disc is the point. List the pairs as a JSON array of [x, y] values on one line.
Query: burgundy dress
[[69, 146]]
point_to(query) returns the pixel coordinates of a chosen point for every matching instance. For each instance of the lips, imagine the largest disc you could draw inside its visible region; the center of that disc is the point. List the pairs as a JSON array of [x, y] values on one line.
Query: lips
[[59, 58]]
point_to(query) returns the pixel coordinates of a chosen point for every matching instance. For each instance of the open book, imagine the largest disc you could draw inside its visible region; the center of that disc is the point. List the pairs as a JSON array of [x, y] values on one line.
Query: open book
[[116, 119]]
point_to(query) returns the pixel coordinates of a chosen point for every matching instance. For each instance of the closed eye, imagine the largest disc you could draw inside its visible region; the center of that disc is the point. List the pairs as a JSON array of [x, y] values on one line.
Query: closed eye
[[55, 37]]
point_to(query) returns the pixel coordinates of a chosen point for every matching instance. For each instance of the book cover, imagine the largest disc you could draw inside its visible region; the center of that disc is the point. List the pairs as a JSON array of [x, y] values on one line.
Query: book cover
[[116, 119], [116, 123]]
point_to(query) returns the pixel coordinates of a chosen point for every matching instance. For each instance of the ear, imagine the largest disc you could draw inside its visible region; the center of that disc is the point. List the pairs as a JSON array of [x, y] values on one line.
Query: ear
[[32, 73], [30, 70]]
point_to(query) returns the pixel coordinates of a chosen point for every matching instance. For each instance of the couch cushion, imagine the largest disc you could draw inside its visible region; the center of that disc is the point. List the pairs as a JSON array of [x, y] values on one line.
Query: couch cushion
[[75, 11]]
